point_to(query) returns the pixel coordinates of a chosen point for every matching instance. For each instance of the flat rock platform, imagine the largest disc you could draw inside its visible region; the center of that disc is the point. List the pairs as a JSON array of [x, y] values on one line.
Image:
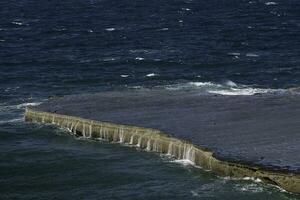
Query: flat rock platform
[[260, 130]]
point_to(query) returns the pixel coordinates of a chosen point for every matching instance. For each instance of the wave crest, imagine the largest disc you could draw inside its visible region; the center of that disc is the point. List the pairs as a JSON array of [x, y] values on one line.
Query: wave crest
[[228, 87]]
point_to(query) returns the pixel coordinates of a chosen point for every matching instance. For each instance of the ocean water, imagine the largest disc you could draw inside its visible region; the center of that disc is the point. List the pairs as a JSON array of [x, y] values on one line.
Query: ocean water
[[56, 48]]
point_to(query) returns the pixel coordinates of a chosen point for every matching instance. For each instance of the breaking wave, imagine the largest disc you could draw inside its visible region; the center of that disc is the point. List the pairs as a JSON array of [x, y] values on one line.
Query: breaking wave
[[4, 107], [226, 88]]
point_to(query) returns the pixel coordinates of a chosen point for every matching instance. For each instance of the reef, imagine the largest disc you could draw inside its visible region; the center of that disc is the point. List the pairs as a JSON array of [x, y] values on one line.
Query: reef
[[109, 124]]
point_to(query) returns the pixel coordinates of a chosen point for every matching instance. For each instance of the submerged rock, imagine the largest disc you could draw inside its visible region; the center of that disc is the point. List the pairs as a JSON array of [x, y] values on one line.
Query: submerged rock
[[240, 136]]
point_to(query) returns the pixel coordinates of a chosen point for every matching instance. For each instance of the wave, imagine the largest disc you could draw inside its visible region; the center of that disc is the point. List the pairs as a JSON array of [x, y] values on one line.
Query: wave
[[14, 113], [5, 107], [151, 75], [270, 3], [16, 120], [124, 75], [17, 23], [24, 105], [110, 29], [201, 84], [257, 180], [139, 58], [240, 91], [227, 87], [253, 188]]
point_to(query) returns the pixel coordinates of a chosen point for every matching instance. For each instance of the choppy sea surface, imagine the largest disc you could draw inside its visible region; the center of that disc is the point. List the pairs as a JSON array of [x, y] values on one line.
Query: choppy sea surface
[[56, 48]]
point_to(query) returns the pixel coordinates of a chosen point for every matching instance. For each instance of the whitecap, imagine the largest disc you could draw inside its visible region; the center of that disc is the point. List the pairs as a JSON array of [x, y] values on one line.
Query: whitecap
[[17, 23], [234, 54], [239, 91], [201, 84], [110, 29], [151, 75], [270, 3], [228, 87], [139, 58], [124, 75], [23, 105], [90, 30], [257, 180], [191, 85], [230, 83], [252, 55], [19, 106]]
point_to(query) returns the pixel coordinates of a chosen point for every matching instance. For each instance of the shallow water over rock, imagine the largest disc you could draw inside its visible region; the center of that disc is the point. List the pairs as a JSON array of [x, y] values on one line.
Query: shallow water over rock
[[257, 130]]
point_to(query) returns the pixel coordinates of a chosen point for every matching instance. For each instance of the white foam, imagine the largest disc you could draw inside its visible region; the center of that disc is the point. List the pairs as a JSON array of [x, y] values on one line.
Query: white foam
[[5, 107], [201, 84], [190, 85], [227, 88], [110, 29], [183, 161], [151, 75], [257, 180], [17, 23], [253, 188], [23, 105], [164, 29], [234, 54], [230, 83], [238, 91], [124, 75], [139, 58], [270, 3]]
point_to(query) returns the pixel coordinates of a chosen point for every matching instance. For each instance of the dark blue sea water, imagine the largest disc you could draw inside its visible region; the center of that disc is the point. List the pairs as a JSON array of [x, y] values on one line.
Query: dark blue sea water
[[55, 48]]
